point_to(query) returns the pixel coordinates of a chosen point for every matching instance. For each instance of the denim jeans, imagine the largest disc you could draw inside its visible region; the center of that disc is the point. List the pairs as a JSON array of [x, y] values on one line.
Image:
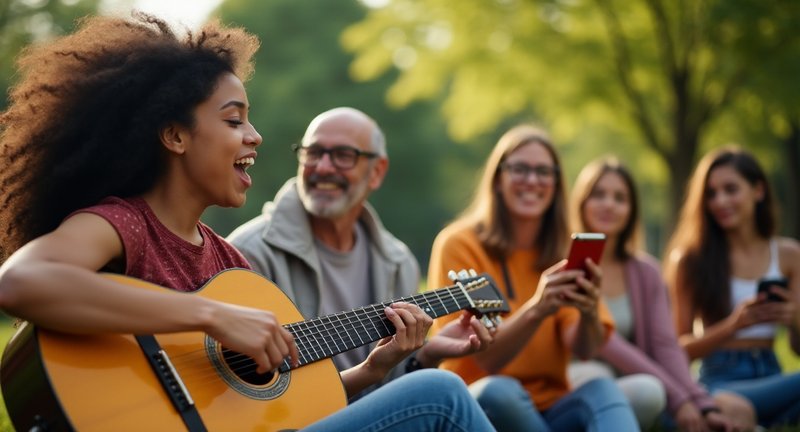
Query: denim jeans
[[756, 375], [425, 400], [644, 392], [596, 406]]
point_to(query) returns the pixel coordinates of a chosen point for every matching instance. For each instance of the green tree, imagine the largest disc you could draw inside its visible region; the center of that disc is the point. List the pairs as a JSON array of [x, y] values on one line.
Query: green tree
[[24, 22], [651, 72], [769, 111]]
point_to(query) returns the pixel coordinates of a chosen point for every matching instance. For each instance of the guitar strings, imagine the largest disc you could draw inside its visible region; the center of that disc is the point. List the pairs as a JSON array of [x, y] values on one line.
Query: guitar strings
[[307, 334], [238, 362], [330, 332]]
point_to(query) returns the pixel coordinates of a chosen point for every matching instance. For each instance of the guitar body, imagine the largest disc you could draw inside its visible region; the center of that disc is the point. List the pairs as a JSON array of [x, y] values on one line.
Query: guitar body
[[105, 383]]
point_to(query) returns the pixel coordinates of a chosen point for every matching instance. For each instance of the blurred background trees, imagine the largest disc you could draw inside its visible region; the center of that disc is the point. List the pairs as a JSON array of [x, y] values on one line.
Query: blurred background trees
[[25, 21], [656, 82]]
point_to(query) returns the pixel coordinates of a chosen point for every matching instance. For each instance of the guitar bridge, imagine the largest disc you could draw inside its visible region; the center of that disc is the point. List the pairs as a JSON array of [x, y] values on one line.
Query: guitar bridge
[[173, 383]]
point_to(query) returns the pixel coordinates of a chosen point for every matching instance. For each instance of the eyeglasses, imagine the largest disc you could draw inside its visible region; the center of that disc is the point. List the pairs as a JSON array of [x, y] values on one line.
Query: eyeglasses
[[342, 157], [520, 172]]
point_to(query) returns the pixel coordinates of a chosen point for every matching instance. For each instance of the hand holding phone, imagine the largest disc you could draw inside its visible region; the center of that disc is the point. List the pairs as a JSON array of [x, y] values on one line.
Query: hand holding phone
[[585, 245], [765, 284]]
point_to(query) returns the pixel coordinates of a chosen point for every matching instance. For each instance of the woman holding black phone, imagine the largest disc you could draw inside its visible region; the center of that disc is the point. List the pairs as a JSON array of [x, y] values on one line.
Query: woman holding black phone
[[724, 244], [643, 353], [516, 230]]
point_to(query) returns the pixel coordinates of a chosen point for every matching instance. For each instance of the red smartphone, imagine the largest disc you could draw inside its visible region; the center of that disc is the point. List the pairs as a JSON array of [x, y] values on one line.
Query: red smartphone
[[585, 245], [765, 284]]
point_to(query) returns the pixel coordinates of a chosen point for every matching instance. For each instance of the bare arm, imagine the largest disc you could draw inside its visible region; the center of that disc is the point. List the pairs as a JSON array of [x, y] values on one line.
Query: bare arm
[[684, 314], [747, 313], [52, 282], [510, 338], [458, 338], [589, 335], [412, 326], [515, 332]]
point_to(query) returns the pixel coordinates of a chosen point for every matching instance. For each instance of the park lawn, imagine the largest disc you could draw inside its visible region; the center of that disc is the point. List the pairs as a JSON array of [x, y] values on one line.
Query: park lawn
[[789, 361], [6, 330]]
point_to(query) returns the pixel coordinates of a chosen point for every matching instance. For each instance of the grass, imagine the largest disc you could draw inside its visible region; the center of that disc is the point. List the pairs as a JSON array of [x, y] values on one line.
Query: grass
[[6, 330], [789, 361]]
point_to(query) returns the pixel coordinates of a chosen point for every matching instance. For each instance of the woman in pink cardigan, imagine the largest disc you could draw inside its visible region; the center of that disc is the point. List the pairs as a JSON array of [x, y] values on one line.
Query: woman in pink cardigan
[[604, 200]]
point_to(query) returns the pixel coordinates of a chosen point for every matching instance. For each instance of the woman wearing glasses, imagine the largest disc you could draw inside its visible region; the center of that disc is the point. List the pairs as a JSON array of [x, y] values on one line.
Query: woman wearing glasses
[[516, 230]]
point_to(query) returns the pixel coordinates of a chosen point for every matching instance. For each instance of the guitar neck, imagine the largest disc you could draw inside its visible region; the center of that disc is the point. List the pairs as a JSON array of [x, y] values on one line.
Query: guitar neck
[[329, 335]]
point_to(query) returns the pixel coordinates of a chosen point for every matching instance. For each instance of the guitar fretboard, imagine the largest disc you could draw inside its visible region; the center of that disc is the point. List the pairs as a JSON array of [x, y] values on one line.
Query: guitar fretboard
[[329, 335]]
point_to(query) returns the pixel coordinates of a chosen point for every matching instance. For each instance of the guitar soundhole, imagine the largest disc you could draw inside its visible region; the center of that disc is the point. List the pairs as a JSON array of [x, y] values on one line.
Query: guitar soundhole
[[245, 368], [239, 372]]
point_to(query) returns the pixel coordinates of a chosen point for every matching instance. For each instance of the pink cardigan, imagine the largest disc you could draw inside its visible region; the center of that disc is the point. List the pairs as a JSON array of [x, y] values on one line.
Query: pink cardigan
[[655, 350]]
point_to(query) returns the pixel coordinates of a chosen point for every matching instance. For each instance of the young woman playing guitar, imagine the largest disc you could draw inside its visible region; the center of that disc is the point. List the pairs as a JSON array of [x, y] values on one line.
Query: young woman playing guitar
[[116, 140]]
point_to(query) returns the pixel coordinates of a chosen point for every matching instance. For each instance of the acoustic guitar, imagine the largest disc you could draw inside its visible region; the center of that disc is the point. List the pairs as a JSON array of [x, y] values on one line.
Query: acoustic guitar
[[58, 381]]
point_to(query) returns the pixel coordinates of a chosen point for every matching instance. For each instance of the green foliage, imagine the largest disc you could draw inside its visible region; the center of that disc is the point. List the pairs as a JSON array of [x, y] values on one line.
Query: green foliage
[[24, 22], [655, 75], [6, 330]]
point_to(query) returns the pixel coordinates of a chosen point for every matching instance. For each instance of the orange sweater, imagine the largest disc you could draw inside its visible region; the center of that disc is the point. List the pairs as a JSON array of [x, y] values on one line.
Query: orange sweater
[[541, 364]]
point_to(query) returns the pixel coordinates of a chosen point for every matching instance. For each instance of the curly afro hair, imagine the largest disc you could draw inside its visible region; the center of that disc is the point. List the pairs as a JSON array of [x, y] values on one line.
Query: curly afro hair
[[85, 114]]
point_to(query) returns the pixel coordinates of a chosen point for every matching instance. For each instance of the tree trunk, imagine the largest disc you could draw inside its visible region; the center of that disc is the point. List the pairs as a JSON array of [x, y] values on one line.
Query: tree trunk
[[680, 167], [685, 134]]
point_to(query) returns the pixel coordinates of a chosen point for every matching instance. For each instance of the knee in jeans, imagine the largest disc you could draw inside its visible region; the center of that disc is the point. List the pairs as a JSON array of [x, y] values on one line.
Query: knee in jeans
[[438, 379], [497, 390], [602, 383], [606, 387]]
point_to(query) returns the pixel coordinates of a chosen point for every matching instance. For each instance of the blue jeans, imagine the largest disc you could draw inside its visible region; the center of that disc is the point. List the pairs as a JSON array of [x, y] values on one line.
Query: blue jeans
[[596, 406], [755, 375], [425, 400]]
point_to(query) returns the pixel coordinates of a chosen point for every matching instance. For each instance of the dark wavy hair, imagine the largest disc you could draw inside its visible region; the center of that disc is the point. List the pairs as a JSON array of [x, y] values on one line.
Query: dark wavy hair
[[698, 249], [85, 115]]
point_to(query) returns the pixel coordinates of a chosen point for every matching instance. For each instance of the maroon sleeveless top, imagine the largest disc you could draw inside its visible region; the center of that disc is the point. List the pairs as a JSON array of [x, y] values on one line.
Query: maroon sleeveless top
[[155, 254]]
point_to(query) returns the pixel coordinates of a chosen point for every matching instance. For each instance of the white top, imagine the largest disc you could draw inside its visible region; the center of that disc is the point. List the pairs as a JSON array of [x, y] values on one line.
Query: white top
[[745, 289], [620, 308]]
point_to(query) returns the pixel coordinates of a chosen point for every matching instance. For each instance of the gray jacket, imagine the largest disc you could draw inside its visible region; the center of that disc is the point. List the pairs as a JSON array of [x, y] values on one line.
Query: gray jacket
[[279, 244]]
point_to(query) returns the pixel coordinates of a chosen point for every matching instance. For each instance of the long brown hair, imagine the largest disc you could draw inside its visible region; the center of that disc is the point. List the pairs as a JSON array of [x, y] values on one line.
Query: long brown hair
[[701, 244], [629, 240], [488, 215]]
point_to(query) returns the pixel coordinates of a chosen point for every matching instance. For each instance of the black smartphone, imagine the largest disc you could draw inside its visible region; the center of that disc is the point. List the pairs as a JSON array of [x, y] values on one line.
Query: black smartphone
[[585, 245], [766, 283]]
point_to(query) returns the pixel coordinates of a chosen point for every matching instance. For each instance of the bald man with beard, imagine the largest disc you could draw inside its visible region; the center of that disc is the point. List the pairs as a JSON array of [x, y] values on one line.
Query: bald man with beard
[[322, 243]]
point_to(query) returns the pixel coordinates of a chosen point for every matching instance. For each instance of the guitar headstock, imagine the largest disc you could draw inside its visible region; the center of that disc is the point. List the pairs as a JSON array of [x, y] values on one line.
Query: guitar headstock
[[488, 302]]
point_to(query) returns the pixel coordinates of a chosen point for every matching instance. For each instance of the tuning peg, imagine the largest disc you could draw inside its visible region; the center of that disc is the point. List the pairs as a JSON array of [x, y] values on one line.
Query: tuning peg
[[463, 274], [452, 275], [487, 322], [497, 320], [473, 273]]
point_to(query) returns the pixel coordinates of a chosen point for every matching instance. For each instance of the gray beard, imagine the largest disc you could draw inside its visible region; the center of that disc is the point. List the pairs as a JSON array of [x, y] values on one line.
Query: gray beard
[[332, 209]]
